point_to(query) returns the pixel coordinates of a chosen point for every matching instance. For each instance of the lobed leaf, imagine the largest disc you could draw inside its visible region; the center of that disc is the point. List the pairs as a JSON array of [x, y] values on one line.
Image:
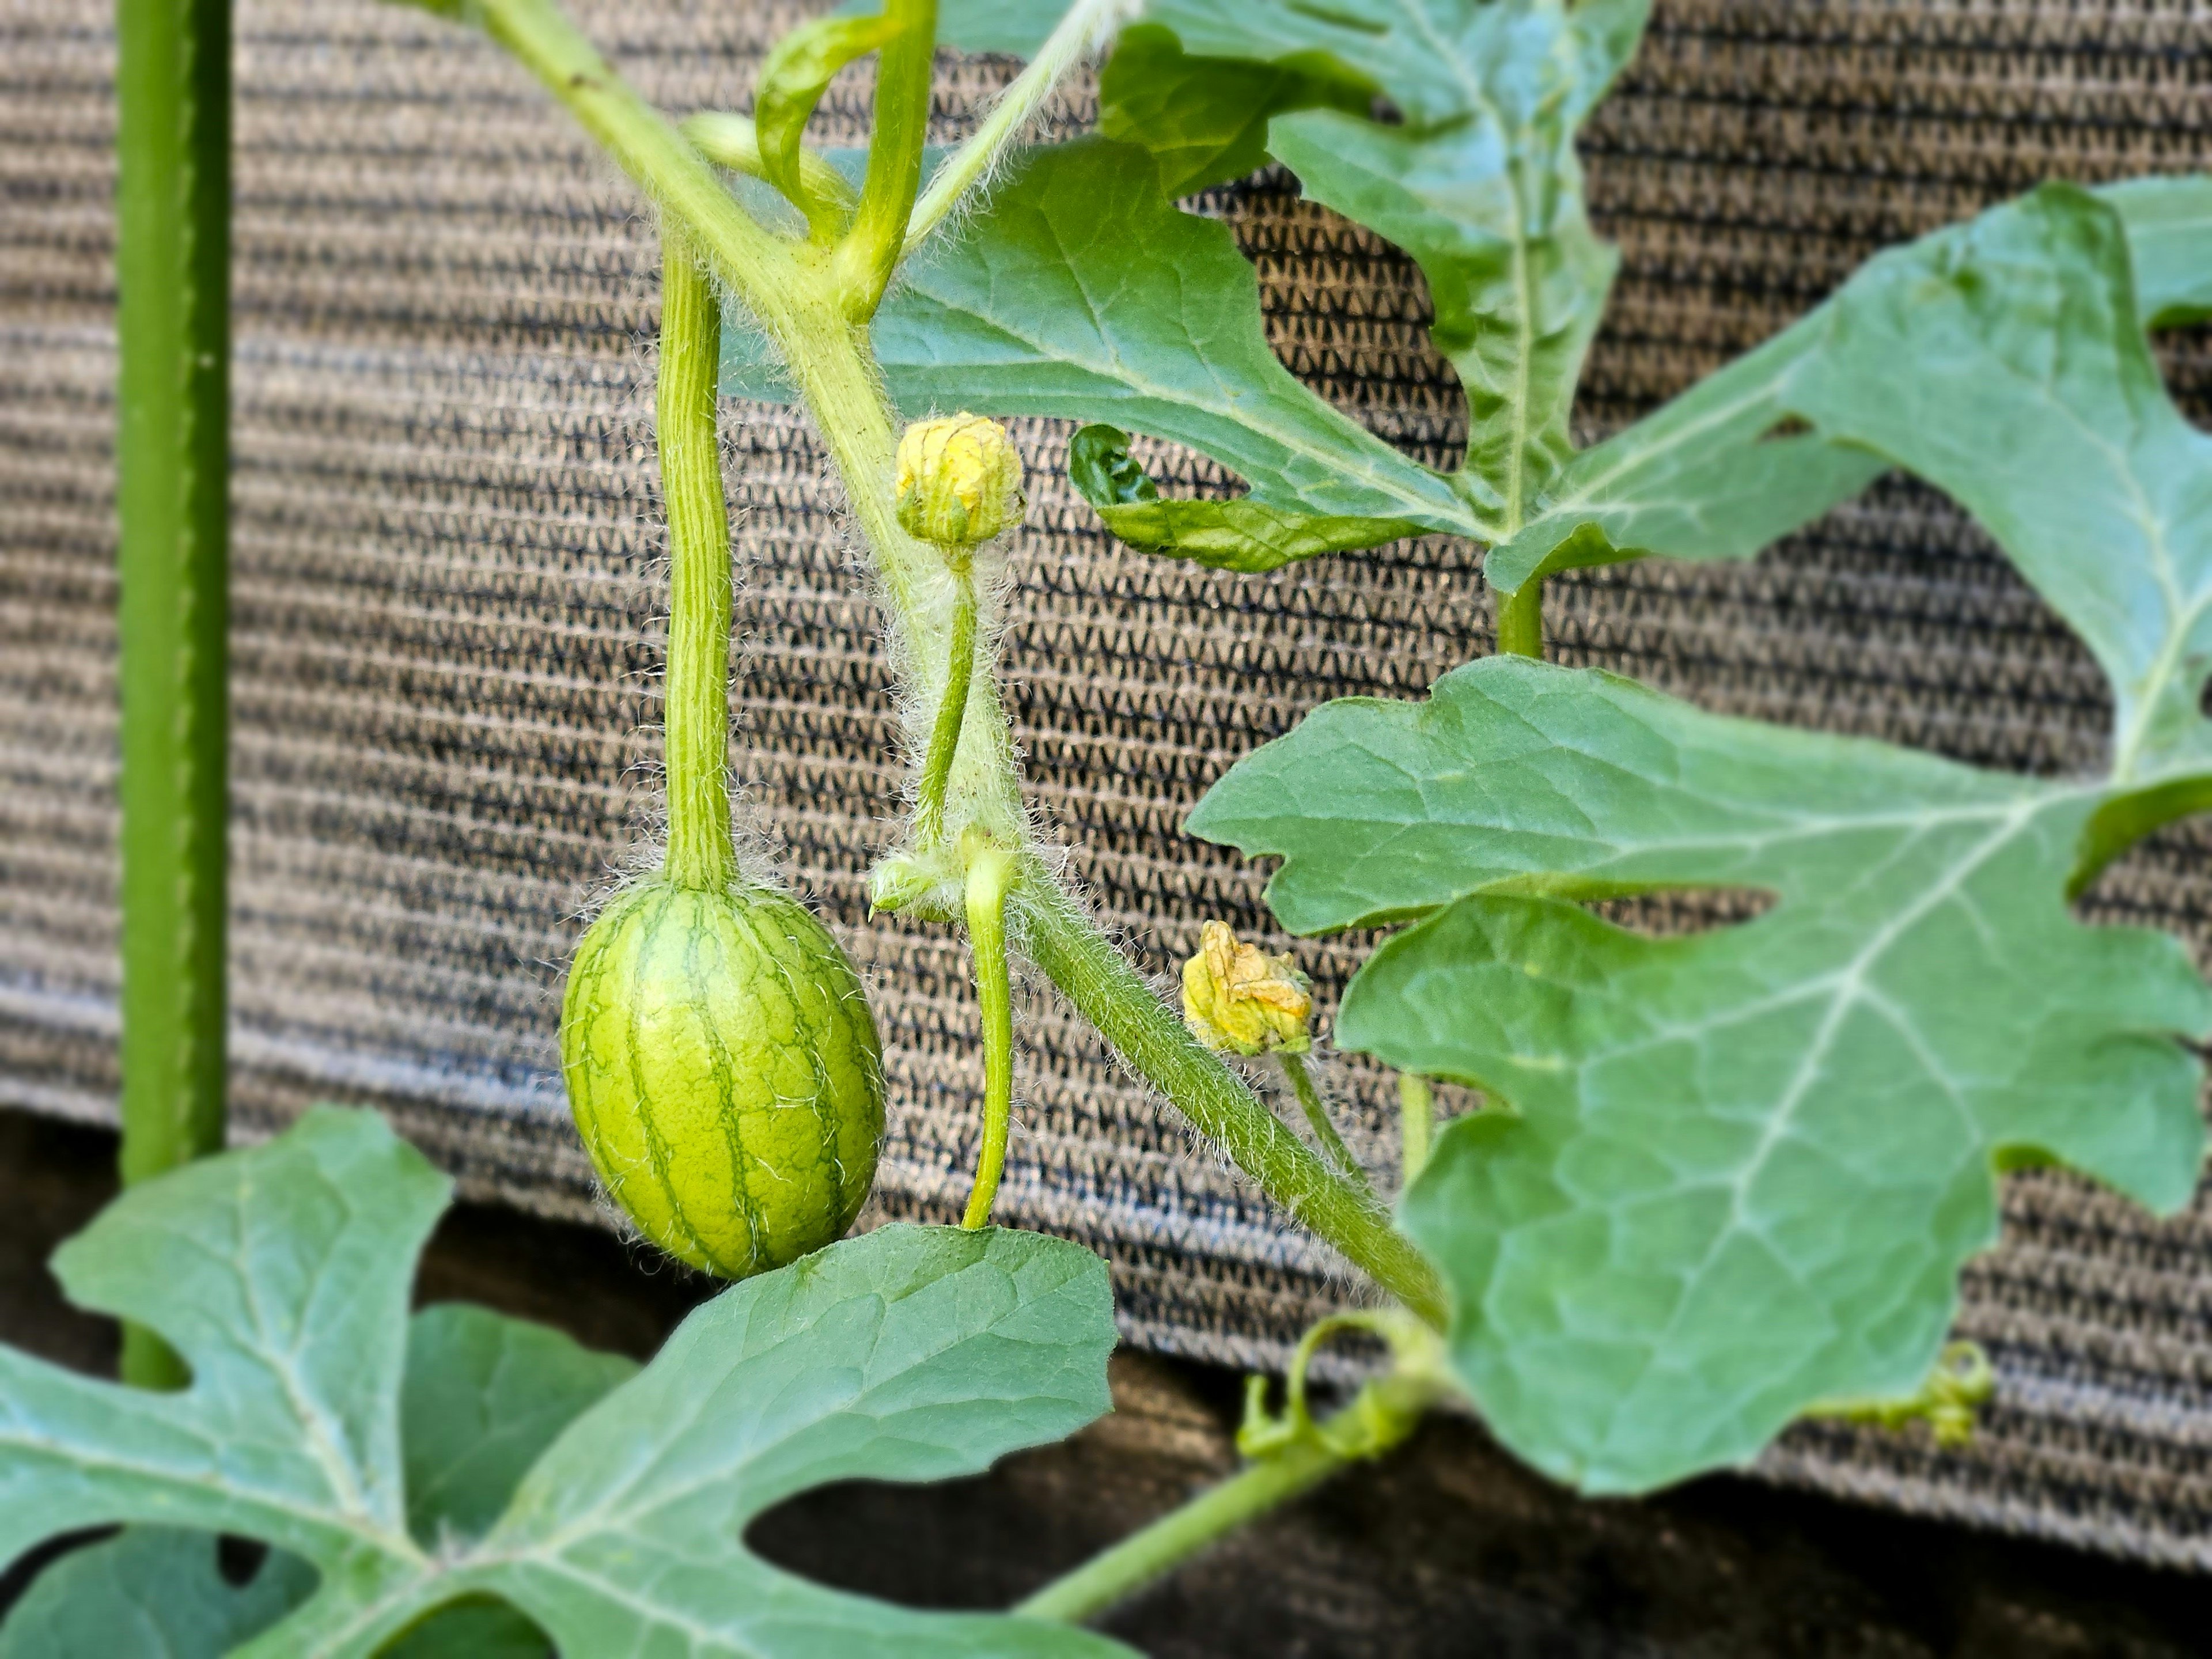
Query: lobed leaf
[[1085, 293], [1718, 474], [1736, 1173], [1477, 179], [281, 1275]]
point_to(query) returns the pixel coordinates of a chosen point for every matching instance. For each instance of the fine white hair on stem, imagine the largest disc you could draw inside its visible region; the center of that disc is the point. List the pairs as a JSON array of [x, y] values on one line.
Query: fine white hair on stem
[[1087, 26]]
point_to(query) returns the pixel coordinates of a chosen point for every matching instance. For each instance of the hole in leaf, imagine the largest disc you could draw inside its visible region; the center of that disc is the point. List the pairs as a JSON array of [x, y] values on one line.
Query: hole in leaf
[[978, 1543], [1670, 915], [240, 1560]]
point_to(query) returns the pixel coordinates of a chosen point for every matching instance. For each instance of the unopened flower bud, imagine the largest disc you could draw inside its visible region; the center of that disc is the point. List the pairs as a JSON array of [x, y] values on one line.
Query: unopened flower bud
[[1238, 997], [959, 481]]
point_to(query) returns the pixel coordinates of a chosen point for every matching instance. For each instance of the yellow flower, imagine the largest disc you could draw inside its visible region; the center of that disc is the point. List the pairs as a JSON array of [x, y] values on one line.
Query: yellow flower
[[959, 481], [1238, 997]]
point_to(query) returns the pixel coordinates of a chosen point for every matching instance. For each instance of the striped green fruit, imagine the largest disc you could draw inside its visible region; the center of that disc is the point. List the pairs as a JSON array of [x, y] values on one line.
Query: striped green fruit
[[725, 1074]]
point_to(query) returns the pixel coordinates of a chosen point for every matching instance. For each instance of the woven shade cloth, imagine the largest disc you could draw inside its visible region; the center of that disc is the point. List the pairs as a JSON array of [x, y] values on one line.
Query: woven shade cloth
[[449, 590]]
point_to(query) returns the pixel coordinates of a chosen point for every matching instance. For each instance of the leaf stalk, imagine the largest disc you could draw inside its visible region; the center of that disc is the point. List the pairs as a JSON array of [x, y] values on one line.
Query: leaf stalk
[[1521, 621]]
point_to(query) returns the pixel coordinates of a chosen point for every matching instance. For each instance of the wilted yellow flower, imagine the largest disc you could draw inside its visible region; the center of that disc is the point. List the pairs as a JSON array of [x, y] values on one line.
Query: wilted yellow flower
[[959, 481], [1238, 997]]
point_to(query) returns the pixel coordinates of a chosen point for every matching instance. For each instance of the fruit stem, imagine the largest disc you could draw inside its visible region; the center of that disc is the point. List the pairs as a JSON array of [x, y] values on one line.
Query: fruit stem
[[991, 871], [1416, 1106], [1317, 1111], [698, 694], [944, 735]]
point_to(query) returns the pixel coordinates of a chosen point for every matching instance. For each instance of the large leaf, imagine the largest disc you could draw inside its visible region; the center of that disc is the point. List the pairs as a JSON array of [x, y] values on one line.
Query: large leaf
[[1721, 473], [1743, 1169], [481, 1395], [281, 1275], [1084, 292], [149, 1593], [1478, 180]]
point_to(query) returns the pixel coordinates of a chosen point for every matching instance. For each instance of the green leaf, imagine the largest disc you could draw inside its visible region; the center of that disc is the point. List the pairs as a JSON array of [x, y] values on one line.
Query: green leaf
[[1717, 473], [281, 1275], [1085, 293], [481, 1396], [1237, 535], [1205, 120], [2169, 224], [484, 1395], [2033, 402], [1011, 28], [1478, 181], [1741, 1170], [149, 1593]]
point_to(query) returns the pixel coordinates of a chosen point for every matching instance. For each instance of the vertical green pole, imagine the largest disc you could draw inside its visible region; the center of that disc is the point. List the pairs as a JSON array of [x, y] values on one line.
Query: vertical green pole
[[172, 252]]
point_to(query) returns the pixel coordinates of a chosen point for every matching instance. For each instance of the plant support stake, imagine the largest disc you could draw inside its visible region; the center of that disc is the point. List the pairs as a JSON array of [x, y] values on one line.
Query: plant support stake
[[172, 232]]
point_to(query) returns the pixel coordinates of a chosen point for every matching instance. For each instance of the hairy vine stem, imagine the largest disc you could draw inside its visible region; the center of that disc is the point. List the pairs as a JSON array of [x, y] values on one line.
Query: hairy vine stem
[[1182, 1533], [1290, 1455], [1064, 941]]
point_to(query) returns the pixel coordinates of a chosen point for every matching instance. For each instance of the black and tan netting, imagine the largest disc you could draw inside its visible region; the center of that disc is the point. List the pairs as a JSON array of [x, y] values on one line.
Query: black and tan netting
[[448, 586]]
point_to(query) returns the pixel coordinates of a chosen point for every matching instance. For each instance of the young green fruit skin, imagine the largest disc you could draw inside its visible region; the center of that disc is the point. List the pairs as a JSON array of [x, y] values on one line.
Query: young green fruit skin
[[725, 1073]]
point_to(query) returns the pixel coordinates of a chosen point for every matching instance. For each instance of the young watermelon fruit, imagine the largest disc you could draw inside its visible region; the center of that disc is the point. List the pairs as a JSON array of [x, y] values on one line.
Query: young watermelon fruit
[[725, 1073]]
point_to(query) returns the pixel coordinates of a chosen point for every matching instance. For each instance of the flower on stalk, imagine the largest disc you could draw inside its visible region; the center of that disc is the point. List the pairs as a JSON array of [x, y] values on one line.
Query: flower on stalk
[[1236, 996], [959, 481]]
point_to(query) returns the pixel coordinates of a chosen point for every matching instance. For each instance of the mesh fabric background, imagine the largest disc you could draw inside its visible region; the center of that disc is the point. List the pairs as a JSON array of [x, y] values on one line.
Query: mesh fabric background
[[447, 630]]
